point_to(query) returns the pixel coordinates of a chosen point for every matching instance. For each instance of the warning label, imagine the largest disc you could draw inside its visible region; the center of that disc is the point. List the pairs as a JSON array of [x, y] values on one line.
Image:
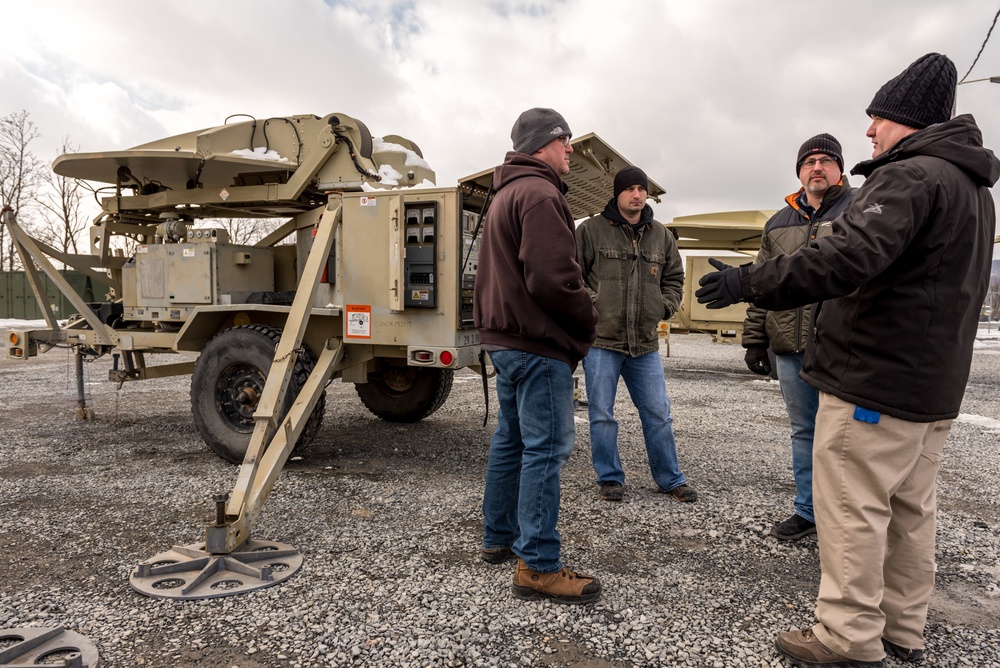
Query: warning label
[[359, 321]]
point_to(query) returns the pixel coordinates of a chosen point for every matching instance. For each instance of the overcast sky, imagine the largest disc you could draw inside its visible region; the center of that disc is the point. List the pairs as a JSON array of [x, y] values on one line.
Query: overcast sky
[[711, 97]]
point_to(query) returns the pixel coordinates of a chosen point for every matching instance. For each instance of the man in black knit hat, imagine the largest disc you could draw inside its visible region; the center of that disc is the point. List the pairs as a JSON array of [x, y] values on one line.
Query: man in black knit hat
[[633, 273], [904, 275], [808, 215]]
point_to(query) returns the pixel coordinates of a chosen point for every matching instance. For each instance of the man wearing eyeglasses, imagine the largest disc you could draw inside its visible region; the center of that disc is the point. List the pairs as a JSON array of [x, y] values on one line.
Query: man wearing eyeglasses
[[536, 320], [634, 274], [808, 215]]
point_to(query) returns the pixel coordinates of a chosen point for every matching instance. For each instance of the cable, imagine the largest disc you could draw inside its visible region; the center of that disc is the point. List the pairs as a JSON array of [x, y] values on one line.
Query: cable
[[253, 126], [988, 33], [354, 156], [298, 140]]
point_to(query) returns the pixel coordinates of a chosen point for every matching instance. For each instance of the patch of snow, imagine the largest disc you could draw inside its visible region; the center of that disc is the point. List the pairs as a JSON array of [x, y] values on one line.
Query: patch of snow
[[979, 421], [412, 159], [259, 153], [10, 323], [388, 175]]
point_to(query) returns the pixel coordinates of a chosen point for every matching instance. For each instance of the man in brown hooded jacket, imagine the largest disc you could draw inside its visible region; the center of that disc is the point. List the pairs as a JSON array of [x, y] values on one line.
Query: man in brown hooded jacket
[[536, 320]]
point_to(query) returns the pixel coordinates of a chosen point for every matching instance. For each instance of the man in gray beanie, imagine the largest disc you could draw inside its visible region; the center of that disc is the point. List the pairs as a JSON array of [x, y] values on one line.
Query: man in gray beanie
[[807, 216], [536, 320], [634, 274], [903, 276]]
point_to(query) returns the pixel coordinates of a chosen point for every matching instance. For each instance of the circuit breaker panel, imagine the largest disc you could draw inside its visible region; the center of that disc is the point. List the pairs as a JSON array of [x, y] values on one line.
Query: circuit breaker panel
[[470, 264], [419, 264]]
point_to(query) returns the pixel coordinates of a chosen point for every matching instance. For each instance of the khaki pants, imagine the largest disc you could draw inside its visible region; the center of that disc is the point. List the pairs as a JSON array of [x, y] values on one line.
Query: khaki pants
[[875, 498]]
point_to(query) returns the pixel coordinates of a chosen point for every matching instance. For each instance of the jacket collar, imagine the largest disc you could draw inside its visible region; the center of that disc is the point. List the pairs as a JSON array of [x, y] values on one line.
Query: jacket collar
[[797, 200], [612, 213]]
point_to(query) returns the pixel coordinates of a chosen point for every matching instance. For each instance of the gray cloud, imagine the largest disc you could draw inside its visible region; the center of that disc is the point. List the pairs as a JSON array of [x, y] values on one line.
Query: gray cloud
[[712, 98]]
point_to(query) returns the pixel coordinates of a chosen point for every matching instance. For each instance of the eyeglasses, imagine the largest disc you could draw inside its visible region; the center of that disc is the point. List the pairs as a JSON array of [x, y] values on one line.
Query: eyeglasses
[[564, 139], [823, 162]]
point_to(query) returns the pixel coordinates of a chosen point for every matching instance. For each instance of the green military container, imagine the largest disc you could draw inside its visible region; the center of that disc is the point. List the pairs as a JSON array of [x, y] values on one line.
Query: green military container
[[18, 301]]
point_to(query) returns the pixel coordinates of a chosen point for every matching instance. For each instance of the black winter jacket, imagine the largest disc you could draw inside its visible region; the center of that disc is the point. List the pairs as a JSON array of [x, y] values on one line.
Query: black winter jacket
[[529, 292], [905, 272], [791, 228]]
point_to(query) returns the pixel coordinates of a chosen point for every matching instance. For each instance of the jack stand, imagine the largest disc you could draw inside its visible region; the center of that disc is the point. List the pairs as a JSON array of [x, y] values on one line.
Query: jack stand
[[83, 411]]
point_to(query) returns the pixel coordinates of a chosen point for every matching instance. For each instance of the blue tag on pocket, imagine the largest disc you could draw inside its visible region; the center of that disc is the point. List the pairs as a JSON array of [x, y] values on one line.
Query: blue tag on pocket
[[865, 415]]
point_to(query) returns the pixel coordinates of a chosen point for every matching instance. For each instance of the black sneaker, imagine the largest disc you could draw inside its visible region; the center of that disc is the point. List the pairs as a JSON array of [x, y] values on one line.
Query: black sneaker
[[902, 653], [795, 527], [497, 555], [612, 491]]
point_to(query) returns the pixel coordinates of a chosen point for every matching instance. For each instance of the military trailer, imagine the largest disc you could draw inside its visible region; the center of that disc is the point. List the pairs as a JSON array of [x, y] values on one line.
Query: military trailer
[[368, 277]]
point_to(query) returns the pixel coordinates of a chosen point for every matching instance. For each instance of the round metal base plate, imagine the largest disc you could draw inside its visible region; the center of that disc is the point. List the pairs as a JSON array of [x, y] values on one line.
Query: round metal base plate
[[188, 572], [46, 647]]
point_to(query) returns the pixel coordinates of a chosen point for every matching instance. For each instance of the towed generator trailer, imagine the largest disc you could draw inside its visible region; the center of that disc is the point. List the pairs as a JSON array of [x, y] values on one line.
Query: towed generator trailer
[[369, 280]]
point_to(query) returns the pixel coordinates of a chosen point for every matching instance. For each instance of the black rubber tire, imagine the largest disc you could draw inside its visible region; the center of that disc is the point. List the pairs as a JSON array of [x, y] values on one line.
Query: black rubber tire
[[405, 393], [227, 383]]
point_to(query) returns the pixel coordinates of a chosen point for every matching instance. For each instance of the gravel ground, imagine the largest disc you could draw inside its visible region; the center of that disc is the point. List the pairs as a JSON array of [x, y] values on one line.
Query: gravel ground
[[387, 518]]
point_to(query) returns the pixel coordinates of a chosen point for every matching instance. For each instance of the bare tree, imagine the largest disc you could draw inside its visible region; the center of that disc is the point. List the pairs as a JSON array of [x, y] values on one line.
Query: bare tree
[[245, 231], [62, 203], [21, 174]]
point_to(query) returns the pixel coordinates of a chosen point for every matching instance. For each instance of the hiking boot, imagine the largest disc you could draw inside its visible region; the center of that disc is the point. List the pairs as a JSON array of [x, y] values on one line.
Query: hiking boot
[[682, 493], [563, 586], [902, 653], [794, 528], [612, 491], [496, 555], [802, 648]]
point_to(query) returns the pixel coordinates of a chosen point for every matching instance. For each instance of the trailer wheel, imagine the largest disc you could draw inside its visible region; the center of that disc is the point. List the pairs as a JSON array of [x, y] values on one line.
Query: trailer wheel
[[405, 393], [227, 383]]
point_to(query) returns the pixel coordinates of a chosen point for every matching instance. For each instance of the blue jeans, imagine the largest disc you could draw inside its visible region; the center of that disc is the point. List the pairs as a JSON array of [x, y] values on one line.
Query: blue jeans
[[646, 386], [533, 439], [801, 402]]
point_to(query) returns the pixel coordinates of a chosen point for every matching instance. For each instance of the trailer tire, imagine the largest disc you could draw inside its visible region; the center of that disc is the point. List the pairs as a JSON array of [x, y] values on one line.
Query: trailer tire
[[405, 393], [227, 383]]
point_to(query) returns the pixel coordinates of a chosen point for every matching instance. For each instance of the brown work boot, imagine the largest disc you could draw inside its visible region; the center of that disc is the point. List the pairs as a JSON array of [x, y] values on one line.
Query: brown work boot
[[563, 586], [802, 648]]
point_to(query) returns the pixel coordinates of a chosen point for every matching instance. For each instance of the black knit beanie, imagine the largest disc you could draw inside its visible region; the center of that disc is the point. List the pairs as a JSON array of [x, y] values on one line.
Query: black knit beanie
[[823, 143], [923, 94], [628, 177], [536, 127]]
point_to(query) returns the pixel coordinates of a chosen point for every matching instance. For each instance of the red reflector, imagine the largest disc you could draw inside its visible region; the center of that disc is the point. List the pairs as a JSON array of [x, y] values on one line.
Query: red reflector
[[447, 358], [424, 356]]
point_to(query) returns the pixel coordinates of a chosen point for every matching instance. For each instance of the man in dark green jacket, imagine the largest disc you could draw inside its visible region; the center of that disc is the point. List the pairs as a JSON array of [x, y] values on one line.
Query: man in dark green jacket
[[808, 215], [633, 272], [903, 277]]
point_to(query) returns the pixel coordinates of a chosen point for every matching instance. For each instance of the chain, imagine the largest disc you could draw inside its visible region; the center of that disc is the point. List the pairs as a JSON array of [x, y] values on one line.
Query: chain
[[297, 351]]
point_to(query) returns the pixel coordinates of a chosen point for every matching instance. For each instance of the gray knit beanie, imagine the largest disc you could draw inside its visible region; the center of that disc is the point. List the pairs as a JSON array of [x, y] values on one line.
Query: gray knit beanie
[[537, 127], [923, 94], [822, 143]]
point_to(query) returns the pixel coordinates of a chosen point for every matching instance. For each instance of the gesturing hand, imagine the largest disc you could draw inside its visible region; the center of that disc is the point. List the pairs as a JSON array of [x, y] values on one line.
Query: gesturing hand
[[722, 288]]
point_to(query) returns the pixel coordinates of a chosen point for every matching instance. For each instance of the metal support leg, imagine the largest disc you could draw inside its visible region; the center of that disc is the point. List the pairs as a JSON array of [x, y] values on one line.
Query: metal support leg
[[82, 410]]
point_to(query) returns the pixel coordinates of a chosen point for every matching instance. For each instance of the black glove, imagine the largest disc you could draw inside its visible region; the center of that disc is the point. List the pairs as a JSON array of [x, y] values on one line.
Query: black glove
[[758, 361], [722, 288]]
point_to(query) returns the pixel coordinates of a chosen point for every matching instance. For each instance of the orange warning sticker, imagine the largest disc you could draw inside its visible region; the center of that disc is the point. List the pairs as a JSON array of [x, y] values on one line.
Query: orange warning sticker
[[359, 321]]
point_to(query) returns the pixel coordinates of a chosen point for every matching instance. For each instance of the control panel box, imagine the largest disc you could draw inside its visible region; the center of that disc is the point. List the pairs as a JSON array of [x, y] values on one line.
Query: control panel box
[[165, 282]]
